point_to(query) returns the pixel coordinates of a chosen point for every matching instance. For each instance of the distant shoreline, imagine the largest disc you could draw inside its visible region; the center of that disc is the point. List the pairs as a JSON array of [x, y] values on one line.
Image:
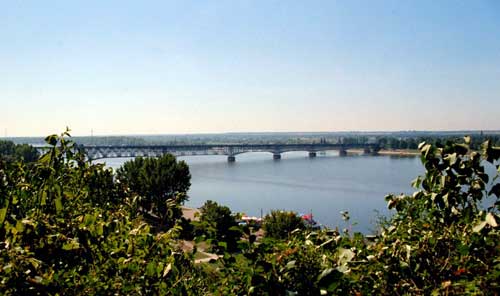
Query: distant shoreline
[[403, 152], [399, 152]]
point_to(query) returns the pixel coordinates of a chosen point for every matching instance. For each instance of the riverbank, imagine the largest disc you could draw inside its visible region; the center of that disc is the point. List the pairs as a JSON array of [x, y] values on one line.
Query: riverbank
[[402, 152], [190, 213], [397, 152]]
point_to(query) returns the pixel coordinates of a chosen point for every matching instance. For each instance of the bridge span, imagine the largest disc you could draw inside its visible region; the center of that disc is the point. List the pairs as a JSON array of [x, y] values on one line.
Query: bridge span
[[231, 150]]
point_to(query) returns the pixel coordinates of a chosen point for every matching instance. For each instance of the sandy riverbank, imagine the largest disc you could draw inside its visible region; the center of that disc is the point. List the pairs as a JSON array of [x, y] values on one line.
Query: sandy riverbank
[[403, 152], [400, 152], [190, 213]]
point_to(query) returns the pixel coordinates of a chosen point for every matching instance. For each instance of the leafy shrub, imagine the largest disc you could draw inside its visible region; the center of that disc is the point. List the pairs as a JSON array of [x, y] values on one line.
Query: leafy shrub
[[58, 237], [443, 239], [218, 224], [279, 224]]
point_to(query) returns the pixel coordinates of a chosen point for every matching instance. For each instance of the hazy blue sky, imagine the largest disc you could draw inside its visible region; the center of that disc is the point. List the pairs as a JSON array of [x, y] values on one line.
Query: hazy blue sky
[[218, 66]]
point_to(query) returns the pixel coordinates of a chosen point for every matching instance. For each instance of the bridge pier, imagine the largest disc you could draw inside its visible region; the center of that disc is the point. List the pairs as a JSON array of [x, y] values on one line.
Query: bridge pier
[[342, 152], [367, 151], [276, 156], [231, 158], [312, 154]]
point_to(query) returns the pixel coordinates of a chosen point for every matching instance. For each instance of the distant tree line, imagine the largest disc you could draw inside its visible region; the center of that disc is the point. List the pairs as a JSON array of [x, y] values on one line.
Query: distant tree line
[[412, 143], [110, 140], [388, 140]]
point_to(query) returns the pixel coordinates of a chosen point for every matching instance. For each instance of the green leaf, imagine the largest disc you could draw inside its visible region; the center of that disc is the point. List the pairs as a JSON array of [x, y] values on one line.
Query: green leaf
[[451, 158], [51, 140], [222, 245], [479, 226], [291, 264], [151, 268], [490, 219], [345, 256], [45, 158], [57, 190], [58, 204], [167, 269], [100, 229], [43, 200], [425, 148], [329, 280], [234, 228], [34, 262], [416, 183], [3, 213], [19, 226], [325, 273], [71, 244]]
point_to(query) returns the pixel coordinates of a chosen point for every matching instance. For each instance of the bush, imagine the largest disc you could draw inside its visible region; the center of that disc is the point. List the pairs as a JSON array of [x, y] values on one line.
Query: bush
[[442, 240], [279, 224], [59, 237], [218, 224]]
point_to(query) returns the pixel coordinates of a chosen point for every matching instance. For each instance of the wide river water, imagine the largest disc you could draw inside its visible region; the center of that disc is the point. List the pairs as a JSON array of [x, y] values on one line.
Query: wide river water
[[324, 185]]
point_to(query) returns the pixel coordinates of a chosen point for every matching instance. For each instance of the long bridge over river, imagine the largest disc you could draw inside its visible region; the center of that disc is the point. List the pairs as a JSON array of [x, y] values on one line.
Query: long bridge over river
[[231, 150]]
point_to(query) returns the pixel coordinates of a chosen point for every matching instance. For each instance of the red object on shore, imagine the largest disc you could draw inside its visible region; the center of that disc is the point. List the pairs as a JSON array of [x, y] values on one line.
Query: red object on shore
[[308, 217]]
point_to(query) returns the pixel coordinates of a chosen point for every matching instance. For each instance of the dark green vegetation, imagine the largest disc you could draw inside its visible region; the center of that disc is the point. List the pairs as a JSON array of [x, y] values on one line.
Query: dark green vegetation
[[161, 185], [66, 228], [391, 142], [280, 224], [218, 226], [12, 152], [69, 227]]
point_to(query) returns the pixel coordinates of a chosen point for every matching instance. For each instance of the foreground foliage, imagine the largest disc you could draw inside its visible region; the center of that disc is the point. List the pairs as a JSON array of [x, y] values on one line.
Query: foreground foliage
[[62, 232], [68, 227], [443, 239]]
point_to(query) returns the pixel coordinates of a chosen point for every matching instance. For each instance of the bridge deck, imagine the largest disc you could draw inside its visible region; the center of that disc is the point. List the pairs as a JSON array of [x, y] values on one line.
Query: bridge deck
[[231, 150]]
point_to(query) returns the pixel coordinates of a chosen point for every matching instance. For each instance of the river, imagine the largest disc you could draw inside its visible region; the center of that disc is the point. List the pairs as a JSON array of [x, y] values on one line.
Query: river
[[324, 185]]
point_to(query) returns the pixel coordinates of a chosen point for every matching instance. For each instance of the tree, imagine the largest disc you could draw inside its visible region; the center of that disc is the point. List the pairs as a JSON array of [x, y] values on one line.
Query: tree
[[218, 223], [7, 148], [57, 238], [12, 152], [26, 152], [443, 239], [160, 182], [279, 224]]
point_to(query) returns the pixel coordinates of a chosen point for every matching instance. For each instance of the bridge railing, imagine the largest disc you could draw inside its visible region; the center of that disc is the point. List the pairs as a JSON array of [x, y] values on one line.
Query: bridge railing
[[231, 150]]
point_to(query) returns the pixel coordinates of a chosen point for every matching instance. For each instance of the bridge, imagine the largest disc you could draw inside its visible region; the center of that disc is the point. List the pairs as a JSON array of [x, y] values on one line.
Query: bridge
[[231, 150]]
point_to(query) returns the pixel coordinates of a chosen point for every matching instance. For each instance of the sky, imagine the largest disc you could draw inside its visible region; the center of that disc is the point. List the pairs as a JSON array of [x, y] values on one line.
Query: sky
[[162, 67]]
